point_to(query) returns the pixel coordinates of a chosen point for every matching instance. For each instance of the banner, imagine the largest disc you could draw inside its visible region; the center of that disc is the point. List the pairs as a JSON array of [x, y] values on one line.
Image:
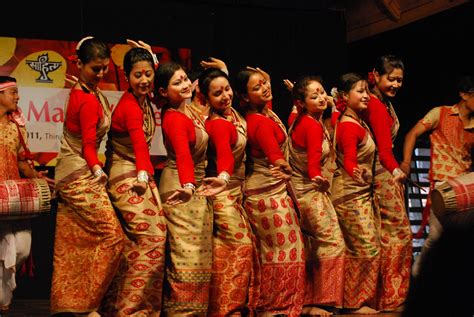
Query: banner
[[40, 68]]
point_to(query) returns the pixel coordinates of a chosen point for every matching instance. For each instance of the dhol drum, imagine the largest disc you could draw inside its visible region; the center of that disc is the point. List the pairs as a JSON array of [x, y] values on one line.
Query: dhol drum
[[452, 201], [24, 198]]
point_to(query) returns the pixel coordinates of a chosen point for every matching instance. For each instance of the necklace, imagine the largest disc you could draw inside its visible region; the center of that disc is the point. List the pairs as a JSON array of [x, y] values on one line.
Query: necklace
[[229, 117]]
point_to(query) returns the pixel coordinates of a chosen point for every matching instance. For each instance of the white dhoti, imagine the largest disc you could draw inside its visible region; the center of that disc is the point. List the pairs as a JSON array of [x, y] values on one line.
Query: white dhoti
[[15, 245]]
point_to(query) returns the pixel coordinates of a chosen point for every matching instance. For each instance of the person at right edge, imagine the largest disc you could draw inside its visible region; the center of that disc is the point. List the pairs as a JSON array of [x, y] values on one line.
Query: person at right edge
[[385, 79], [452, 142]]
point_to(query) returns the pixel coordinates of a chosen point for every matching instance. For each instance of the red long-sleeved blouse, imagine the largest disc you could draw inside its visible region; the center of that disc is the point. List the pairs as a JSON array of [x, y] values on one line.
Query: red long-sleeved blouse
[[222, 137], [180, 133], [128, 118], [83, 114], [308, 134], [264, 137], [377, 117], [348, 137]]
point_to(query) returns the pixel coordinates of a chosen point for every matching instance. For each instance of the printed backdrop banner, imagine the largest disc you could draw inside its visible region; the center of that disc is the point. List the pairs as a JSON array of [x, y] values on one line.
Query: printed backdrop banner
[[40, 68]]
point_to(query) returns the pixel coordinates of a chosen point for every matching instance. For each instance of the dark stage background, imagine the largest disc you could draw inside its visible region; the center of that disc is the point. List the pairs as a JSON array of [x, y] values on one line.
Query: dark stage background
[[286, 38], [436, 52]]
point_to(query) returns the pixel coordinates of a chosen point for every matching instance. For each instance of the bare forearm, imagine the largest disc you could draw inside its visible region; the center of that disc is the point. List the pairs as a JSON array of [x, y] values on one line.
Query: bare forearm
[[26, 170], [408, 146]]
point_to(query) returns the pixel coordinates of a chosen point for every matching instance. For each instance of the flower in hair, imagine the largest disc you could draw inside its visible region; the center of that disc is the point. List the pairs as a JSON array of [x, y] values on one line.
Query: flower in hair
[[78, 46], [341, 104], [72, 58], [334, 92]]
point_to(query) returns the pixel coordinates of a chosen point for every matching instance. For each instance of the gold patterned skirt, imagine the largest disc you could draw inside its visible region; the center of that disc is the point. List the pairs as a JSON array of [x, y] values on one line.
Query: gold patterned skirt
[[88, 244], [281, 248], [234, 281], [137, 287], [189, 252], [396, 242], [325, 250]]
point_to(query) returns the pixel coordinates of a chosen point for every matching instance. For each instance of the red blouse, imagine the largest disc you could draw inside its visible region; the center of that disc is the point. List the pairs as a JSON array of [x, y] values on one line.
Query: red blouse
[[264, 137], [128, 118], [292, 117], [83, 114], [348, 137], [180, 133], [377, 117], [223, 136], [308, 134]]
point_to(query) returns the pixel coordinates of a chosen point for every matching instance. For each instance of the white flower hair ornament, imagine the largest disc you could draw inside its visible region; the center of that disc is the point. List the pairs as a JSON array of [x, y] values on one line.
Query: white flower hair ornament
[[78, 46]]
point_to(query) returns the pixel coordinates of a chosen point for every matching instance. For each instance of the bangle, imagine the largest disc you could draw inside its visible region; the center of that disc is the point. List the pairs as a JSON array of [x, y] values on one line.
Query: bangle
[[98, 173], [225, 176], [142, 176], [403, 162], [189, 186], [397, 172]]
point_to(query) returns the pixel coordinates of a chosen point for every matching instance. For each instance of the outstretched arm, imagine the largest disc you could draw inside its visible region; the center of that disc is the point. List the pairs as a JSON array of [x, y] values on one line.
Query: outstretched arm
[[409, 145]]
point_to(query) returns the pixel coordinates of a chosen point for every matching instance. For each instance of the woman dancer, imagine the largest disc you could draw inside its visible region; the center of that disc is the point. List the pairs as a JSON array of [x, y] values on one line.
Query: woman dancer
[[311, 156], [353, 196], [137, 287], [233, 282], [268, 205], [189, 218], [89, 239], [395, 233]]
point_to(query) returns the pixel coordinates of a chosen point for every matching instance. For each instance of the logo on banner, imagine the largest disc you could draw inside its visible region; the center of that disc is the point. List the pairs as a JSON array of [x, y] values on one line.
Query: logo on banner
[[44, 67]]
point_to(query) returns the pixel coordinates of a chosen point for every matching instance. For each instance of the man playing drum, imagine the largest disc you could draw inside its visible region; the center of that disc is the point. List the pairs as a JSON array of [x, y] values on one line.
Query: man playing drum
[[452, 140], [15, 235]]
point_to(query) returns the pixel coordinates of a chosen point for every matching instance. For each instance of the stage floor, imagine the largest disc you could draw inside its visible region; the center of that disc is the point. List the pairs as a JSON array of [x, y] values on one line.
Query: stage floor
[[40, 308]]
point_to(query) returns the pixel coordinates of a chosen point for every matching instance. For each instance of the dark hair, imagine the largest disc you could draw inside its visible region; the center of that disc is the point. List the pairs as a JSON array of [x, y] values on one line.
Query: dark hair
[[347, 81], [91, 49], [299, 89], [387, 63], [135, 55], [207, 76], [466, 84], [164, 73], [7, 79], [195, 73], [241, 80]]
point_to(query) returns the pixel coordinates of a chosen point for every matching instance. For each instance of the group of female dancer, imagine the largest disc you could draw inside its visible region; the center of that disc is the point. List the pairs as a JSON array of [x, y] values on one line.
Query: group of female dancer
[[247, 218]]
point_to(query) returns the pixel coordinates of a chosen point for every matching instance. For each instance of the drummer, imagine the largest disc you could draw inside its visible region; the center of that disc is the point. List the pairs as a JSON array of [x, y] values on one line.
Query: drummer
[[15, 163], [452, 140]]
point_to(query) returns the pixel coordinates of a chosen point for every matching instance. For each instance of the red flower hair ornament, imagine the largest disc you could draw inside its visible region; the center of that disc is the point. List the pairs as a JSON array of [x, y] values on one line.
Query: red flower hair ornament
[[341, 104]]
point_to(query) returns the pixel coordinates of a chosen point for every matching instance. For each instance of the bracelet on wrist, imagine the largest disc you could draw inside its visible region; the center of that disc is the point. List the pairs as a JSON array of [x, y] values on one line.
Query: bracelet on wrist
[[142, 176], [225, 176], [397, 171], [98, 173], [189, 186]]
